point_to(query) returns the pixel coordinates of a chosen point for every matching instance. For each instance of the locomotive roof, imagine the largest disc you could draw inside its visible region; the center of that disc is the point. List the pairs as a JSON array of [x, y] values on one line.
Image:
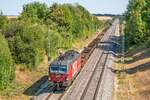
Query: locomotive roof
[[67, 58]]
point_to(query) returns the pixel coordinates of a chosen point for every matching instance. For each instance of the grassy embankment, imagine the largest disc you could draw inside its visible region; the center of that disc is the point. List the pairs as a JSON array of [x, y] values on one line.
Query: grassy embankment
[[134, 83]]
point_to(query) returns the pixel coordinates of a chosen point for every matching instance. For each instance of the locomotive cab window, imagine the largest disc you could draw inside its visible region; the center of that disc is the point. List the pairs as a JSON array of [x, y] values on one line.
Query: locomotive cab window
[[63, 69], [58, 69]]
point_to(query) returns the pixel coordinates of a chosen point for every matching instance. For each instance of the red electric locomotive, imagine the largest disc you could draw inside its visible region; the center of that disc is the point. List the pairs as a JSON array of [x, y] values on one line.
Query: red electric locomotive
[[64, 69]]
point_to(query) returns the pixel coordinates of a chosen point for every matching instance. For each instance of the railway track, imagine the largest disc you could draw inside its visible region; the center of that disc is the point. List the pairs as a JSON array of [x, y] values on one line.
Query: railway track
[[57, 96], [88, 84], [48, 96], [100, 79], [85, 54], [97, 74]]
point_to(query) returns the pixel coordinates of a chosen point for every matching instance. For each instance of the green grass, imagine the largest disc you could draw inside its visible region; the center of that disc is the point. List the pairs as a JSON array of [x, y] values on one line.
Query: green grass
[[136, 46], [12, 90]]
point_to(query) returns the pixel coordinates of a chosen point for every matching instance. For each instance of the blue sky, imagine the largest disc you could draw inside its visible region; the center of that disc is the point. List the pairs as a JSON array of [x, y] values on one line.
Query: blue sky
[[14, 7]]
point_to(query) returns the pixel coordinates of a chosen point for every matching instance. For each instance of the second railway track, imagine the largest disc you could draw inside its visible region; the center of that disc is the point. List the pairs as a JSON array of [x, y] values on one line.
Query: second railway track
[[91, 89]]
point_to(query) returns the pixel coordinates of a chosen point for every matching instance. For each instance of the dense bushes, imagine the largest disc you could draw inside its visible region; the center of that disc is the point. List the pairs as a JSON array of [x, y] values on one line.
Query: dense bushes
[[27, 43], [3, 22], [6, 64], [137, 22]]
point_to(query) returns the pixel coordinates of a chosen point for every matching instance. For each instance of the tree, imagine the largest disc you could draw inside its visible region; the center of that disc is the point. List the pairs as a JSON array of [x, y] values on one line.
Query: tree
[[135, 26], [27, 43], [7, 69], [3, 21], [35, 12], [146, 19]]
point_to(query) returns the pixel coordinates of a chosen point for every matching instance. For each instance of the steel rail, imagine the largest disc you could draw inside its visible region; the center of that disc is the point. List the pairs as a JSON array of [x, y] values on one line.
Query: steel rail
[[100, 78]]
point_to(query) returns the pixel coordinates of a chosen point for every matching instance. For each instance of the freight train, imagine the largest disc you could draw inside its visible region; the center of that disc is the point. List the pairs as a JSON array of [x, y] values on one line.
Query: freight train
[[64, 69]]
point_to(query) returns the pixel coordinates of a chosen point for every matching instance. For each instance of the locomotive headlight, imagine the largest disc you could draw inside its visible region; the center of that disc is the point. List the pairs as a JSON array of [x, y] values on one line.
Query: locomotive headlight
[[67, 79], [49, 78]]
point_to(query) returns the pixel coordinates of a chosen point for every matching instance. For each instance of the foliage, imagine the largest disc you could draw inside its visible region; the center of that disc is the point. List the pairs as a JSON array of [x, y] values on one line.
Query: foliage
[[67, 23], [146, 19], [27, 43], [3, 22], [35, 12], [7, 68], [73, 20], [137, 22]]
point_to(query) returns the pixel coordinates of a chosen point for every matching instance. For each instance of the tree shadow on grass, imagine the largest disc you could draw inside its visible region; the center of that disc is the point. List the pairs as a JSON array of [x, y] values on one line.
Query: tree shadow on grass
[[145, 53], [139, 68]]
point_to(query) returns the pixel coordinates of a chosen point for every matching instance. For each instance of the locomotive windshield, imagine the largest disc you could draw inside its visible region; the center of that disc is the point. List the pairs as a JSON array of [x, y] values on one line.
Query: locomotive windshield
[[58, 69]]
